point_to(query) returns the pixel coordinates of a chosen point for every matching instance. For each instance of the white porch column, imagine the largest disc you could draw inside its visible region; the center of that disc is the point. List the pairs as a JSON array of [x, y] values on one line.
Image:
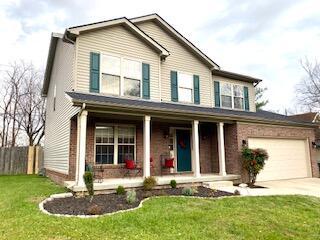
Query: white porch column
[[195, 147], [146, 146], [221, 150], [82, 147]]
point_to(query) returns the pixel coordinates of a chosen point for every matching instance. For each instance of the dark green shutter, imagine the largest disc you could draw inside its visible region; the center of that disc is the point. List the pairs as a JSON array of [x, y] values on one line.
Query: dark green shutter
[[246, 98], [94, 71], [196, 89], [216, 94], [145, 81], [174, 86]]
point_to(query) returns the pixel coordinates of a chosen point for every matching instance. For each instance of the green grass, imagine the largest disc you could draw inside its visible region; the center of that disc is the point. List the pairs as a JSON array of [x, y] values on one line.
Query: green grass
[[281, 217]]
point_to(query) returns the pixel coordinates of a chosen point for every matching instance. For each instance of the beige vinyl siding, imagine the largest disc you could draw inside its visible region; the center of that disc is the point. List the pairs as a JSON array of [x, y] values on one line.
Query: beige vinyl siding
[[180, 59], [252, 105], [57, 129], [115, 40]]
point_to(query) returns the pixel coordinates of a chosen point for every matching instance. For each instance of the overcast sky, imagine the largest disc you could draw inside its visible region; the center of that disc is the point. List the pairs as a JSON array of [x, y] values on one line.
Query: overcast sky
[[264, 39]]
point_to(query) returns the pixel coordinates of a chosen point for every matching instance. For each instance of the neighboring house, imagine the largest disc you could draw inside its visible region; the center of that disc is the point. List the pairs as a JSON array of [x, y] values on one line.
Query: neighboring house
[[137, 89], [313, 117]]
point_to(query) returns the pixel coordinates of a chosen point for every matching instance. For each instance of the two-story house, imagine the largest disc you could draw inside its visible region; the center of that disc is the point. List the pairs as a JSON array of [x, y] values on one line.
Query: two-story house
[[137, 91]]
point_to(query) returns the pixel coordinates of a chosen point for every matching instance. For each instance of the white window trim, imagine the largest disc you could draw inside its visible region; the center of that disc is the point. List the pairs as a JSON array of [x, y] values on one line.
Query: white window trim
[[232, 96], [115, 143], [243, 107], [122, 58], [192, 89], [220, 90]]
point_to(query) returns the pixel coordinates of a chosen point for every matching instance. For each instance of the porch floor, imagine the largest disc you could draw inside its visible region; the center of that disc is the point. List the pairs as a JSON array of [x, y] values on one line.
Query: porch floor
[[113, 183]]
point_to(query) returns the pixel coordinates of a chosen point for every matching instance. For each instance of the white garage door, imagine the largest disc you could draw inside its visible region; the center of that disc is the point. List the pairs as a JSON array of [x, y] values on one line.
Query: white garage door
[[288, 158]]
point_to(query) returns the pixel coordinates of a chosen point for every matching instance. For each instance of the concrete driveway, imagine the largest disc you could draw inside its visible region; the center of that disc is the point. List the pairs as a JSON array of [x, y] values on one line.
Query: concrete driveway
[[303, 186]]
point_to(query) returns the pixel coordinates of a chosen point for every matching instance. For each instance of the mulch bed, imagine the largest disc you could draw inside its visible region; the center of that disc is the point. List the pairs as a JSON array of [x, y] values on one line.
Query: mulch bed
[[109, 203]]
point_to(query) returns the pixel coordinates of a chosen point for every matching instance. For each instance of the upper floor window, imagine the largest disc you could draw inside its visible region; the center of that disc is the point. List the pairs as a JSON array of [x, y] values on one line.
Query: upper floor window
[[238, 96], [226, 95], [232, 96], [185, 87], [132, 77], [120, 76]]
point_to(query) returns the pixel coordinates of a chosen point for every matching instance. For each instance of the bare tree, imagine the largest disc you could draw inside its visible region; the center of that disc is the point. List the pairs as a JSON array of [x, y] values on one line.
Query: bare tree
[[22, 105], [260, 102], [5, 107], [32, 107], [309, 88]]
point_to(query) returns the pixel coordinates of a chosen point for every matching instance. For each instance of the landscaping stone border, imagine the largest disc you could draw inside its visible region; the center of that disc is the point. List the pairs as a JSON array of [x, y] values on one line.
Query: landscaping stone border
[[65, 195]]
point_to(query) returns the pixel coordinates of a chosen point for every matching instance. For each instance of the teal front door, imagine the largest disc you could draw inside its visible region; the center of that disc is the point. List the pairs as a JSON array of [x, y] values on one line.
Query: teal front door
[[183, 150]]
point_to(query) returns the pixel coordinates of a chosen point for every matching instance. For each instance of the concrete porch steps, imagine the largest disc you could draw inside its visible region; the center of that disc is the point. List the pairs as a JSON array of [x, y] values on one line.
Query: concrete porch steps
[[218, 184]]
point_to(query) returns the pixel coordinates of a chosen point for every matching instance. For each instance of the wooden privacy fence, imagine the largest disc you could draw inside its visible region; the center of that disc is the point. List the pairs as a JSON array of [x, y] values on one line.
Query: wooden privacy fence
[[21, 160]]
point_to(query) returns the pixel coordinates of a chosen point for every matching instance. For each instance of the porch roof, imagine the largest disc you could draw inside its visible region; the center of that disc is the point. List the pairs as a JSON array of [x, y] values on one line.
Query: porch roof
[[102, 101]]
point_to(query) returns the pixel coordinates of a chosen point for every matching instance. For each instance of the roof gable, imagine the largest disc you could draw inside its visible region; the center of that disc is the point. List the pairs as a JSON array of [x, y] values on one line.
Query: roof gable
[[73, 32], [178, 36]]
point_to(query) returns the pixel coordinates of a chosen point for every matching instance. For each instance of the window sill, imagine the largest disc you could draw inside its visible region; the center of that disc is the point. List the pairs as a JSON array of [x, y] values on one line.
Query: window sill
[[108, 166]]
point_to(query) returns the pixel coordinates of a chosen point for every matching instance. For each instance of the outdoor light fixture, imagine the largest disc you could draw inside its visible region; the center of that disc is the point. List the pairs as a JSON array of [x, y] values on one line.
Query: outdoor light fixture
[[314, 145], [244, 143], [166, 134]]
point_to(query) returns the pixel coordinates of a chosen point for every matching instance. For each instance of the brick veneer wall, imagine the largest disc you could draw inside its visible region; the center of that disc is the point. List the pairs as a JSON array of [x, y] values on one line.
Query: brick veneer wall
[[57, 177], [159, 145], [73, 148], [234, 134], [232, 150], [113, 171], [245, 131]]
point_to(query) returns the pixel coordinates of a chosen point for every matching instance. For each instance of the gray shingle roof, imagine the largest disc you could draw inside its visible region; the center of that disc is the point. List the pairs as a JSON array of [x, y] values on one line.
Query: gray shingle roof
[[78, 97]]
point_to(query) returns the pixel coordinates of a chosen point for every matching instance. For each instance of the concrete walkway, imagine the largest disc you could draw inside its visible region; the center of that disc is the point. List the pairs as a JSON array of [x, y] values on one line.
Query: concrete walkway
[[303, 186]]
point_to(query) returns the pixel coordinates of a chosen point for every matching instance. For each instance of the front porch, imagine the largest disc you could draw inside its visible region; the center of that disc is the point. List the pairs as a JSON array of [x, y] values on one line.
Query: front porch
[[113, 183], [106, 141]]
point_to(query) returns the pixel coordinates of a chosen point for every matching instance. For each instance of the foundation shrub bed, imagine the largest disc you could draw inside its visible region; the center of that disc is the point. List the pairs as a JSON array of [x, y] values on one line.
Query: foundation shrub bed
[[114, 202]]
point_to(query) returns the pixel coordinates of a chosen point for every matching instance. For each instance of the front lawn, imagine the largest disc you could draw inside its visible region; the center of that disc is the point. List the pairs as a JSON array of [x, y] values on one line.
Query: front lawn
[[282, 217]]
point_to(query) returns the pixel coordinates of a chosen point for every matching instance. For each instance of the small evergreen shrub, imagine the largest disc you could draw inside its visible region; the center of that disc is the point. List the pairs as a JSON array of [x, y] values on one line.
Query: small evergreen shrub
[[120, 190], [94, 209], [88, 180], [173, 183], [131, 196], [189, 191], [149, 183]]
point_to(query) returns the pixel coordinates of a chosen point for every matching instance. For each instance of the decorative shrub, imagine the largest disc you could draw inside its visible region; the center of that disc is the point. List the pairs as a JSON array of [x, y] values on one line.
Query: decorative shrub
[[88, 180], [253, 162], [131, 196], [120, 190], [173, 183], [149, 183], [94, 209], [189, 191]]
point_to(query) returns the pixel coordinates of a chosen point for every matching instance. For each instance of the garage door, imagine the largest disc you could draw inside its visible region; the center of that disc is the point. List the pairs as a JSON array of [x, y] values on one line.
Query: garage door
[[288, 158]]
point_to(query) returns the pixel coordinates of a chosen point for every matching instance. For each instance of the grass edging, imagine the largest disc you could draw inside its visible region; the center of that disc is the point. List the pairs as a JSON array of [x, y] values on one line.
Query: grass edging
[[54, 196]]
